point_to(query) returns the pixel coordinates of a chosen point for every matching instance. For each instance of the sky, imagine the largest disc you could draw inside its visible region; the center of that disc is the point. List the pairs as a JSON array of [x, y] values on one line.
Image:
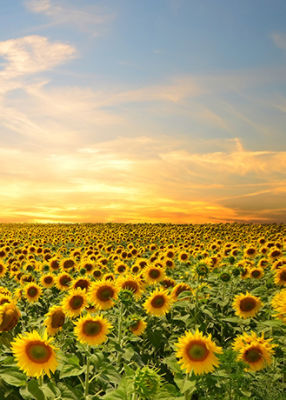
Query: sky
[[143, 111]]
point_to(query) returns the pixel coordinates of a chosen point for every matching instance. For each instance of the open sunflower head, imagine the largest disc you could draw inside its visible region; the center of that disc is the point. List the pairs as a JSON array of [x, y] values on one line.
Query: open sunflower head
[[74, 302], [35, 355], [64, 281], [103, 294], [92, 330], [131, 283], [32, 292], [158, 303], [280, 276], [137, 326], [197, 353], [47, 280], [153, 274], [246, 305]]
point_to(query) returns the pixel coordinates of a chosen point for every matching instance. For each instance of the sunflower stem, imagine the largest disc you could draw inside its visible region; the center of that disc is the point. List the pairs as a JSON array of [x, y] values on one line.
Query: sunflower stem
[[86, 386], [120, 329], [40, 381]]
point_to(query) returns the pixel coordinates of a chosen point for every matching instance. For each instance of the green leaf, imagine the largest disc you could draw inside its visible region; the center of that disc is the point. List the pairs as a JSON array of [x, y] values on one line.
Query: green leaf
[[70, 367], [13, 377], [35, 390], [67, 393]]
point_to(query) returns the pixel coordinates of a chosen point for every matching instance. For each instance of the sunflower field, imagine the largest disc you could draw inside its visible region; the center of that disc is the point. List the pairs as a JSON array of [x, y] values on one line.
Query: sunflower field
[[143, 311]]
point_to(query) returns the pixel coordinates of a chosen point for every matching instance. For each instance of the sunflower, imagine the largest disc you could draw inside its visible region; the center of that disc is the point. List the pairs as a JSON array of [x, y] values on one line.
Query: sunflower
[[197, 353], [256, 273], [246, 305], [97, 274], [279, 304], [74, 302], [154, 274], [158, 303], [120, 268], [255, 351], [63, 281], [54, 320], [82, 283], [102, 294], [92, 330], [180, 288], [32, 292], [9, 316], [67, 264], [137, 327], [250, 252], [168, 283], [3, 270], [131, 283], [280, 277], [34, 354], [54, 264], [47, 280]]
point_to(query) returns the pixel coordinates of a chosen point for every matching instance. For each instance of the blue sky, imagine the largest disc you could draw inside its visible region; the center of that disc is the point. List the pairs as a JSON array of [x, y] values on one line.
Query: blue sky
[[166, 110]]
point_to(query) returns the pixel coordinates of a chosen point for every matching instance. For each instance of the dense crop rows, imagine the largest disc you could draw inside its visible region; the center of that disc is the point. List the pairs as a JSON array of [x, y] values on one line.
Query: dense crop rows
[[121, 311]]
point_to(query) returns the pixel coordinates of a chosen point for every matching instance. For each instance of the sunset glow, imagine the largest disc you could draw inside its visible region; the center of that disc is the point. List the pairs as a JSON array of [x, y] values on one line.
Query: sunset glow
[[115, 112]]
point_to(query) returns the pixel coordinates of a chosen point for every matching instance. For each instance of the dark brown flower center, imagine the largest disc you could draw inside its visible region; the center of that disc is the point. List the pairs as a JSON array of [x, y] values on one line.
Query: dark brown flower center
[[247, 304], [158, 301], [154, 273], [252, 355], [76, 302], [58, 319], [197, 351], [38, 352], [105, 293], [32, 292], [91, 328]]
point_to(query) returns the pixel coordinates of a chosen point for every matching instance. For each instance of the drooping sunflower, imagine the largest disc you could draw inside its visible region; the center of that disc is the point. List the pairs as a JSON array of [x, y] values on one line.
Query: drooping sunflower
[[54, 320], [103, 294], [137, 327], [47, 280], [32, 292], [255, 351], [197, 353], [246, 305], [64, 281], [9, 316], [158, 303], [131, 283], [280, 276], [74, 302], [154, 274], [35, 355], [92, 330]]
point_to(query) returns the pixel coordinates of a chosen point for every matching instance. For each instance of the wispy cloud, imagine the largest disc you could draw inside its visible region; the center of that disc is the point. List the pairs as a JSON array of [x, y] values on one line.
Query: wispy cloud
[[90, 18], [32, 54], [279, 39]]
